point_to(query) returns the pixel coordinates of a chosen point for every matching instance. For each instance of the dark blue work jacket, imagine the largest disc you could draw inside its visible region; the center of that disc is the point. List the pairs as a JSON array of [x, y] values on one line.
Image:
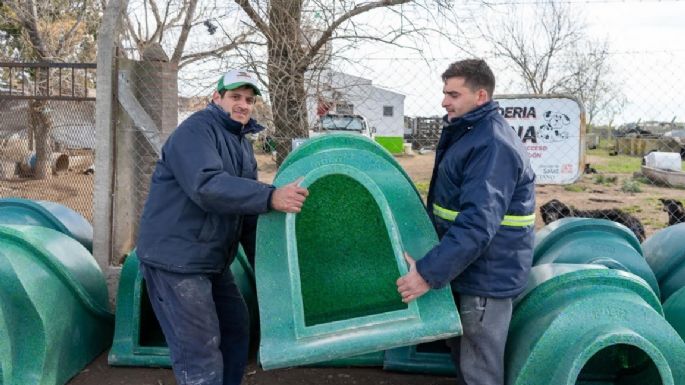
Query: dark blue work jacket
[[482, 203], [204, 196]]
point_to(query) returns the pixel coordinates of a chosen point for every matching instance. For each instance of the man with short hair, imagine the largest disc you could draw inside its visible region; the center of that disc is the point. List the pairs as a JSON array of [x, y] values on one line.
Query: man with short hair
[[482, 202], [204, 200]]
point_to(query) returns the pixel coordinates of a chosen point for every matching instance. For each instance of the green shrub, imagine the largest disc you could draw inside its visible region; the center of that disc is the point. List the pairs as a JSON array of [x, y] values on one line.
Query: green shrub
[[574, 188], [631, 186], [605, 180]]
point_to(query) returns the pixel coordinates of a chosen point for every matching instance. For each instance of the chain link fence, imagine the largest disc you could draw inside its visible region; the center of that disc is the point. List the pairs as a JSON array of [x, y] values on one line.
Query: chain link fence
[[623, 165], [614, 155], [47, 119]]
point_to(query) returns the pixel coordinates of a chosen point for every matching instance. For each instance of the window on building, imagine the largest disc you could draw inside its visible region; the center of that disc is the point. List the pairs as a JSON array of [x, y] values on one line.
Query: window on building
[[388, 110], [344, 108]]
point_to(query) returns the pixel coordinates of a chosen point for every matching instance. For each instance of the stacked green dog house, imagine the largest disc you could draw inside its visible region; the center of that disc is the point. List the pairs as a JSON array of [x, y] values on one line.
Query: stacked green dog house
[[580, 322], [138, 338], [18, 211], [326, 276], [54, 316], [665, 253]]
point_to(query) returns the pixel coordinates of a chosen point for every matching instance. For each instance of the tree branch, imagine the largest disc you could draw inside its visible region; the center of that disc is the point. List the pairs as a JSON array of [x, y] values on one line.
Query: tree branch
[[185, 30], [252, 14], [164, 23], [131, 30], [67, 35], [28, 19], [326, 35], [176, 18], [193, 57], [159, 24]]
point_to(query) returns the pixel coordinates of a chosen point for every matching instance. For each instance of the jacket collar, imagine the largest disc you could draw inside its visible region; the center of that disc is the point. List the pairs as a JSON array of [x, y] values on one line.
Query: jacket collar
[[471, 118], [232, 125]]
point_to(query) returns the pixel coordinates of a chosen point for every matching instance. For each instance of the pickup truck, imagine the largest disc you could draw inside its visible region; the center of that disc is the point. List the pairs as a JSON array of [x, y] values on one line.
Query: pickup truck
[[337, 123], [334, 123]]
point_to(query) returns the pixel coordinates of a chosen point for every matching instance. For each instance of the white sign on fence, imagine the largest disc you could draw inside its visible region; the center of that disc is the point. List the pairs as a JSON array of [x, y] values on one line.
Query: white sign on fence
[[551, 130]]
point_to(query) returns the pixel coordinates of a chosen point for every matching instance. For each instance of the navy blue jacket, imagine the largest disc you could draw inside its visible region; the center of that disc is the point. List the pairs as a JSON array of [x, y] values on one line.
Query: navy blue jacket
[[483, 172], [204, 196]]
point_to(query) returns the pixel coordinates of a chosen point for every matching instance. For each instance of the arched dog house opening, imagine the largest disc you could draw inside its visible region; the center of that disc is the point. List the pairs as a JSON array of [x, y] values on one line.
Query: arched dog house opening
[[326, 277], [623, 364], [586, 324], [346, 259]]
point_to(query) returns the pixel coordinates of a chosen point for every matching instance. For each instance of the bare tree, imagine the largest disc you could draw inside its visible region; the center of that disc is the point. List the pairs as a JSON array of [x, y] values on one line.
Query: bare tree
[[298, 36], [549, 48], [59, 30], [535, 43], [588, 78], [169, 28]]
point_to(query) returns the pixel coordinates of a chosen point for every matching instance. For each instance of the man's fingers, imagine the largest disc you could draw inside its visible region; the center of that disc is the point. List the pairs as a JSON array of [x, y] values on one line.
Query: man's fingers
[[404, 286], [296, 190], [410, 260], [302, 191]]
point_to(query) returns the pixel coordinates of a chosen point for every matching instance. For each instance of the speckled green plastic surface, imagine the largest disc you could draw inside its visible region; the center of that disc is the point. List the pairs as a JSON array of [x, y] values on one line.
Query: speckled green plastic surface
[[323, 143], [18, 211], [665, 254], [362, 360], [138, 338], [54, 316], [674, 309], [430, 358], [326, 277], [592, 241], [589, 324], [321, 248]]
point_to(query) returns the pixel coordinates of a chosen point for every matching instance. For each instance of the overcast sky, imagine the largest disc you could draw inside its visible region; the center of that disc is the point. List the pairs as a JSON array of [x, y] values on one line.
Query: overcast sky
[[647, 41]]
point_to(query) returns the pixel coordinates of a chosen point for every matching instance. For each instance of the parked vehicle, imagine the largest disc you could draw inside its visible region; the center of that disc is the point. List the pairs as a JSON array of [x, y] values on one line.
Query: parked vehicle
[[337, 123]]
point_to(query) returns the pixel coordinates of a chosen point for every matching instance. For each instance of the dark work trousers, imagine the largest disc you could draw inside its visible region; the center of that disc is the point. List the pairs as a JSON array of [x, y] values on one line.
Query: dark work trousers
[[205, 322], [478, 354]]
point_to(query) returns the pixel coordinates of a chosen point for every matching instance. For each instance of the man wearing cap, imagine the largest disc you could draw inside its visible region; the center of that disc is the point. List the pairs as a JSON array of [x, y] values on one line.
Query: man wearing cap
[[204, 200]]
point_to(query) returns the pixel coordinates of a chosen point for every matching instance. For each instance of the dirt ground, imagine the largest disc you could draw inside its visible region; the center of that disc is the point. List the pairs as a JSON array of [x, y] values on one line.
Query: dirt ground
[[74, 189], [99, 373]]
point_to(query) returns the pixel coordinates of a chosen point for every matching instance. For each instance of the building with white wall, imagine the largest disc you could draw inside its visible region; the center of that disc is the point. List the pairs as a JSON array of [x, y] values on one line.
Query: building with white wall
[[336, 92]]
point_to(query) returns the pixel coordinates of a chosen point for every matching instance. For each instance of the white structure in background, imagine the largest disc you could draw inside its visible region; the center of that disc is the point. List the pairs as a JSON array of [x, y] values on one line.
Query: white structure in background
[[339, 93]]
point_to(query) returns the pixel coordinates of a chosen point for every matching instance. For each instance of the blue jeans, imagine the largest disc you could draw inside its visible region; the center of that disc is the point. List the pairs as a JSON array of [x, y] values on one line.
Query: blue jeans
[[205, 322]]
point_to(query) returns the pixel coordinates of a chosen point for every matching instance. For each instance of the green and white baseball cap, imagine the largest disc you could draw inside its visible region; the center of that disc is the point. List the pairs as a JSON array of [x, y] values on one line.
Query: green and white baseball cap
[[236, 79]]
